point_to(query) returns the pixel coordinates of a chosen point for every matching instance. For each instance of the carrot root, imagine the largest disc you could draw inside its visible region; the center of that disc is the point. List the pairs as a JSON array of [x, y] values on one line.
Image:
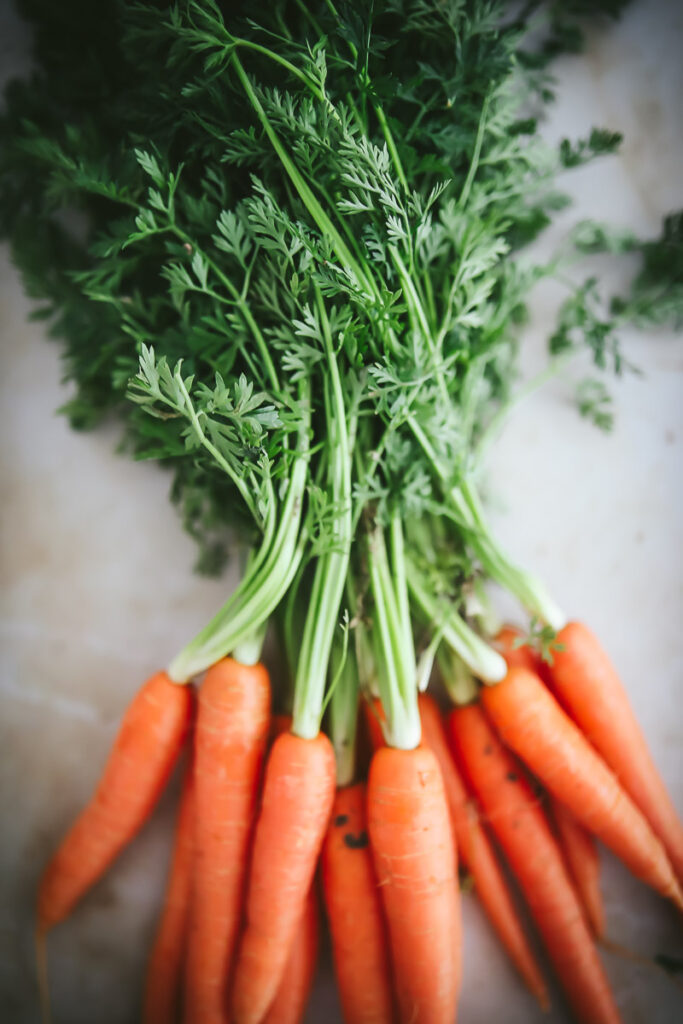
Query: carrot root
[[534, 856], [533, 724], [582, 859], [355, 915], [296, 802], [230, 740], [294, 989], [588, 686], [474, 849], [142, 758], [412, 846], [165, 964]]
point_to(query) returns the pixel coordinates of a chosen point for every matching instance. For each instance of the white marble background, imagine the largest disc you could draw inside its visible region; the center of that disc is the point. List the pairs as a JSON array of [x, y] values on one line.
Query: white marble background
[[90, 544]]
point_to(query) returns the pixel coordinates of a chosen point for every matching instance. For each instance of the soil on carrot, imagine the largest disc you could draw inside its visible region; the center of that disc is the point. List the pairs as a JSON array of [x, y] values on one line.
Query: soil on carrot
[[358, 842]]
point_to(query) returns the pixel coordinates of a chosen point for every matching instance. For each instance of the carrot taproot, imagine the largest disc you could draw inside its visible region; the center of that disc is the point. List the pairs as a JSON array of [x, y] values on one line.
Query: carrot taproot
[[355, 915], [298, 792], [230, 739], [476, 852], [165, 964], [291, 998], [532, 723], [588, 686], [524, 834], [582, 859], [140, 763], [412, 846]]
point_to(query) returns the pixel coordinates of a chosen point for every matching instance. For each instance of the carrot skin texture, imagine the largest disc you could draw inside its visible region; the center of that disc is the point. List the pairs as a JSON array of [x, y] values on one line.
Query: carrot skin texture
[[583, 862], [534, 726], [140, 763], [588, 686], [355, 915], [297, 798], [291, 998], [230, 740], [165, 964], [412, 846], [534, 857], [476, 852]]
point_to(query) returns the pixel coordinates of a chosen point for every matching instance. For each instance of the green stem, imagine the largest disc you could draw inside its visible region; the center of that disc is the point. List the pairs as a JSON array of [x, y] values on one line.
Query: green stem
[[332, 566], [265, 583], [241, 304], [344, 712], [481, 659], [457, 678], [279, 59], [526, 587], [213, 451], [391, 145], [248, 650], [474, 163], [398, 565], [465, 502], [396, 667], [305, 193]]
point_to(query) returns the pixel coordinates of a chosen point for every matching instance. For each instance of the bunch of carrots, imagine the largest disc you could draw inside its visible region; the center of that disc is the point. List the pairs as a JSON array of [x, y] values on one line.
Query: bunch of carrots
[[294, 275], [545, 762]]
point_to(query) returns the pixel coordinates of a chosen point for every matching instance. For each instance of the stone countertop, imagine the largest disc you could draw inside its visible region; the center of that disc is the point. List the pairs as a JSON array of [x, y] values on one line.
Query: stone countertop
[[90, 543]]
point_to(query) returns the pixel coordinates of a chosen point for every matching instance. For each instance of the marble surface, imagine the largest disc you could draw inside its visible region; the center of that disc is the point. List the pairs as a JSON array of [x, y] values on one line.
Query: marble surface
[[89, 542]]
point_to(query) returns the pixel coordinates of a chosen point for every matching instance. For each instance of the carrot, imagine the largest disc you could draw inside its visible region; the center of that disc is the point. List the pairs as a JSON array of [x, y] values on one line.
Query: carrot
[[278, 724], [164, 968], [354, 911], [146, 748], [518, 655], [297, 799], [374, 716], [581, 855], [294, 989], [534, 856], [412, 847], [230, 739], [532, 723], [588, 686], [476, 852]]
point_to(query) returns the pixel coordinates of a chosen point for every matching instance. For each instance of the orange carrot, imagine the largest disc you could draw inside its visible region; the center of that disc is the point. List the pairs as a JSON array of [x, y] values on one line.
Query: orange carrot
[[354, 911], [294, 989], [588, 686], [581, 855], [230, 739], [412, 847], [297, 799], [519, 655], [146, 748], [374, 716], [164, 968], [279, 724], [477, 854], [534, 856], [533, 724]]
